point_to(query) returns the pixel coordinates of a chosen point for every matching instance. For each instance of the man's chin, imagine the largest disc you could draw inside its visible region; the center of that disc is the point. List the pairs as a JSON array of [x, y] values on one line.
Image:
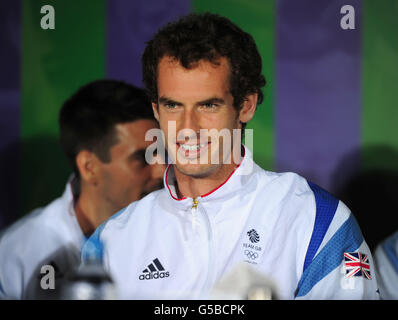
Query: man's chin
[[198, 171]]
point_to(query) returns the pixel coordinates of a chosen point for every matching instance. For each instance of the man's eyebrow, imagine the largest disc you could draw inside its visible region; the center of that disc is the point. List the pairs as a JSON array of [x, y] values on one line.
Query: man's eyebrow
[[213, 100], [166, 100]]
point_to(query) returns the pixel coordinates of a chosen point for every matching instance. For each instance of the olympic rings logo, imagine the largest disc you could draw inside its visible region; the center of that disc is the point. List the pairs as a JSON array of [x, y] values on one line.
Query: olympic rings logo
[[251, 255]]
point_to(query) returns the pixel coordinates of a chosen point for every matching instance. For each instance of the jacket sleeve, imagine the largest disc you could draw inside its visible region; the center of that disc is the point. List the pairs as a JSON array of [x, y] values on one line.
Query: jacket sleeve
[[338, 263]]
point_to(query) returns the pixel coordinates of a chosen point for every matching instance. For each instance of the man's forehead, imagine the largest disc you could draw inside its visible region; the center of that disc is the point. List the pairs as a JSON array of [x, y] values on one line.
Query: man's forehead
[[135, 127], [202, 82], [132, 134]]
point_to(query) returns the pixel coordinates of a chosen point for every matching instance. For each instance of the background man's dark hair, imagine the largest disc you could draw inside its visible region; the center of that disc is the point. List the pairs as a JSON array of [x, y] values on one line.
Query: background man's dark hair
[[87, 120], [207, 37]]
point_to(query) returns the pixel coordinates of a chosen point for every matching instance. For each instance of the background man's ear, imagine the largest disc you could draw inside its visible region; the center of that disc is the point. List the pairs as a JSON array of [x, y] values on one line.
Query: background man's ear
[[248, 108], [88, 165], [155, 110]]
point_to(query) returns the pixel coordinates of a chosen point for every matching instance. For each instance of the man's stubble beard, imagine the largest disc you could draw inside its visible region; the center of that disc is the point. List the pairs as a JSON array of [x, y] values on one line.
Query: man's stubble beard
[[198, 174]]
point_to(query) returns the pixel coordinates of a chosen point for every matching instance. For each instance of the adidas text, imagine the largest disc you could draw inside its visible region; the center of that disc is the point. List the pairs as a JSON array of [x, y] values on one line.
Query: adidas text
[[154, 275]]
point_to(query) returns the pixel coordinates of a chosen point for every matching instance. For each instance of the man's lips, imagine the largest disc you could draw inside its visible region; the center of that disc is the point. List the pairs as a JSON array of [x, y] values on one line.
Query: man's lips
[[191, 146], [191, 150]]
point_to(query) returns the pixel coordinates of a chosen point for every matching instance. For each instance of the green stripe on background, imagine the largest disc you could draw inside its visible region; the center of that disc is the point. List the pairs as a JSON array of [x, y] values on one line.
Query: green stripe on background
[[380, 84], [54, 64], [256, 17]]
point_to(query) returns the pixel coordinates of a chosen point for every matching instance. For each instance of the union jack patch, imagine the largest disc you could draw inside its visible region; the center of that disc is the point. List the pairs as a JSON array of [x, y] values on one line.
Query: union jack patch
[[357, 265]]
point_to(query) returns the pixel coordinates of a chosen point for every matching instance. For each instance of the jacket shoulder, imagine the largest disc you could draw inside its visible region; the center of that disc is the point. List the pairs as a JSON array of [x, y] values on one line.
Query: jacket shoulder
[[32, 227], [118, 225], [137, 209]]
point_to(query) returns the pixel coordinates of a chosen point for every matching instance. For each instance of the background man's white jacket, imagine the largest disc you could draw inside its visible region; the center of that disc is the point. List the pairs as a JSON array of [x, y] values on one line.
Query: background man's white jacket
[[47, 236], [291, 231]]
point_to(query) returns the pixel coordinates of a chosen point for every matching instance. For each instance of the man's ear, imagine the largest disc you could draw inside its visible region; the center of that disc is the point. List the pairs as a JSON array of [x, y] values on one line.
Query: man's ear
[[155, 108], [248, 108], [88, 165]]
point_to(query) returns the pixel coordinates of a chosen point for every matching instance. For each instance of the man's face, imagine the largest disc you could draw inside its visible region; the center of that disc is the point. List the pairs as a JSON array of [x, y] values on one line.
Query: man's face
[[128, 177], [196, 99]]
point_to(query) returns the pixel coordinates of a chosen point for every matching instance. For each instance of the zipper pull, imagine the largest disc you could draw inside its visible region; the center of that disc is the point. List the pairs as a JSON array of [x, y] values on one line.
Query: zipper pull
[[195, 203], [194, 208]]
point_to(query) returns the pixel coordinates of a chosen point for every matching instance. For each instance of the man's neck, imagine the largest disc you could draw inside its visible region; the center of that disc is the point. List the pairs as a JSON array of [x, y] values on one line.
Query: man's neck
[[90, 214], [194, 187]]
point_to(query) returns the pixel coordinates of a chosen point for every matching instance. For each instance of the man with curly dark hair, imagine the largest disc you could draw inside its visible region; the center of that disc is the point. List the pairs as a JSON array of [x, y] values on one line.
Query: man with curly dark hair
[[204, 77]]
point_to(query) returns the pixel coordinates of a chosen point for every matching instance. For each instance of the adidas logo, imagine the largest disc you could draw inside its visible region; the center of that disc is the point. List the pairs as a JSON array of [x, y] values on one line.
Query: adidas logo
[[155, 270]]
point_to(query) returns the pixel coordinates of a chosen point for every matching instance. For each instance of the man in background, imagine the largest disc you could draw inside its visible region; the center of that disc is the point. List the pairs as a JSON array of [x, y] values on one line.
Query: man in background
[[102, 133]]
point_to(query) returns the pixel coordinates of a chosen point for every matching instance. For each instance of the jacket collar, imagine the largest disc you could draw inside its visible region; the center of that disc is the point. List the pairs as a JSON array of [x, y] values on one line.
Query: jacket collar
[[69, 198], [227, 189], [71, 194]]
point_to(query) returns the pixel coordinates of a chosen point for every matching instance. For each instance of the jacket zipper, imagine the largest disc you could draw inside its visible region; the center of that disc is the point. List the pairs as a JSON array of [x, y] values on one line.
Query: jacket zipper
[[195, 206], [194, 218]]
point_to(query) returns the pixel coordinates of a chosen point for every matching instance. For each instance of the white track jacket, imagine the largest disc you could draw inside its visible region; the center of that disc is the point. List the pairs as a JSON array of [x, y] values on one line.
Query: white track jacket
[[50, 236], [290, 230]]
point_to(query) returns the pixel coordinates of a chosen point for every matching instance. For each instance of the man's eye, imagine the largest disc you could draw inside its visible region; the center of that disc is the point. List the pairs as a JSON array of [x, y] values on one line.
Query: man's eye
[[209, 106], [171, 105], [139, 158]]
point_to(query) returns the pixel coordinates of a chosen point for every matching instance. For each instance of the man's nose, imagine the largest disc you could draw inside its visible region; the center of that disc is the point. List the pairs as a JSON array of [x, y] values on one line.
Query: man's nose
[[189, 126]]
